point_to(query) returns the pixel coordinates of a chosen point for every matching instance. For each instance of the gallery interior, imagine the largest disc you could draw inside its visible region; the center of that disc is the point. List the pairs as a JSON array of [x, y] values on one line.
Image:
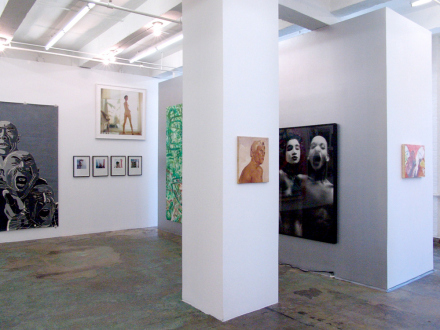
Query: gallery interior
[[240, 69]]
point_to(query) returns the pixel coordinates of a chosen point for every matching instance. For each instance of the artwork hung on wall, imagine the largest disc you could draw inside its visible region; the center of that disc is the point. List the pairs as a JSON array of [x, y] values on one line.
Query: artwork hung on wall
[[117, 165], [308, 182], [81, 166], [28, 166], [120, 113], [100, 165], [134, 165], [252, 159], [413, 161], [174, 163]]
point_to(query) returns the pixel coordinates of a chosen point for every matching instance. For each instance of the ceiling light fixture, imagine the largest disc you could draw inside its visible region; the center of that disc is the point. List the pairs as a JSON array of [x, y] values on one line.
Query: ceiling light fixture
[[4, 42], [106, 60], [69, 25], [420, 2], [159, 46], [157, 28], [110, 56], [86, 56]]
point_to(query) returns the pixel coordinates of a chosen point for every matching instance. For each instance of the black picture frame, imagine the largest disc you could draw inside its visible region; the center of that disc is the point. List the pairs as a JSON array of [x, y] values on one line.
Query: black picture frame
[[134, 165], [118, 165], [309, 182], [81, 166], [100, 166]]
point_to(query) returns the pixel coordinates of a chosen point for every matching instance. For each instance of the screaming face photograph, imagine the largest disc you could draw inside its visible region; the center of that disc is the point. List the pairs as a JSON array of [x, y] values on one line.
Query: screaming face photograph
[[308, 182], [28, 166]]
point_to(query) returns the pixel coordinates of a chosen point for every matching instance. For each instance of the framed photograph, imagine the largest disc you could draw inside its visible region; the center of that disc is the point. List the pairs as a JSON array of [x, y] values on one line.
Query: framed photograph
[[81, 166], [413, 161], [134, 164], [120, 113], [252, 159], [117, 165], [308, 158], [100, 165]]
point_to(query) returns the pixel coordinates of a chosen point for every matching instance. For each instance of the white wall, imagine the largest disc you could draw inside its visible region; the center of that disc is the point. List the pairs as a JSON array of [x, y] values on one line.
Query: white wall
[[435, 124], [250, 211], [410, 206], [202, 239], [338, 75], [87, 205]]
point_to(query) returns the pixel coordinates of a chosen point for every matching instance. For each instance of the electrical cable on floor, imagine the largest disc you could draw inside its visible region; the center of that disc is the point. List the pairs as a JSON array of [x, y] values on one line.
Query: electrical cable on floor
[[332, 274]]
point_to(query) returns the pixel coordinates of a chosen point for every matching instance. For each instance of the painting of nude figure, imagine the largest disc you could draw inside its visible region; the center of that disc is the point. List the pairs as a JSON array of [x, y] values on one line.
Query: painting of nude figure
[[308, 182], [252, 159]]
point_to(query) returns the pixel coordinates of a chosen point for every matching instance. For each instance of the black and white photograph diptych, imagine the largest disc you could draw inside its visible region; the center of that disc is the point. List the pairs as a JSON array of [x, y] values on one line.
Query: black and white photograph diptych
[[308, 182], [28, 166]]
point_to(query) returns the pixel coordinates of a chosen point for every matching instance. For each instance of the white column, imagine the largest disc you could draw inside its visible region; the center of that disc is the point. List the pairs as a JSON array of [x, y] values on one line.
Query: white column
[[230, 89], [436, 135]]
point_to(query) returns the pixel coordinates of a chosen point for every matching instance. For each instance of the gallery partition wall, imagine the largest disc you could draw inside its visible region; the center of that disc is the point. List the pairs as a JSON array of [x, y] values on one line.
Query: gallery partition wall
[[372, 76]]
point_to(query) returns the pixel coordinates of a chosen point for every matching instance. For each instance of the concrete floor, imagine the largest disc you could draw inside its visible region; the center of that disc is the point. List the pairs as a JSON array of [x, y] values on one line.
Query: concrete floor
[[132, 280]]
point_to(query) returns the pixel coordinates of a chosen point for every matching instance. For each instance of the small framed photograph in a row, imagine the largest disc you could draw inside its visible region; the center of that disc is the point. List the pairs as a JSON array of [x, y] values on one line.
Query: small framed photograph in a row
[[100, 166]]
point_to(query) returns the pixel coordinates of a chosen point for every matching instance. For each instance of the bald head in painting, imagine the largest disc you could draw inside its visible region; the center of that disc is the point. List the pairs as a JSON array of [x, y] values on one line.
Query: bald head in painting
[[253, 172], [9, 138]]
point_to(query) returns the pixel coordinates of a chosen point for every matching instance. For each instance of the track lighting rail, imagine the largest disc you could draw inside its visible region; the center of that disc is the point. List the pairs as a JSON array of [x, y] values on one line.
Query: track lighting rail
[[109, 5]]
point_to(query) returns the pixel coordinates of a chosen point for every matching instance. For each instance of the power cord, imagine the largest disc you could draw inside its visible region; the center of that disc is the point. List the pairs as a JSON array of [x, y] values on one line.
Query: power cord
[[332, 274]]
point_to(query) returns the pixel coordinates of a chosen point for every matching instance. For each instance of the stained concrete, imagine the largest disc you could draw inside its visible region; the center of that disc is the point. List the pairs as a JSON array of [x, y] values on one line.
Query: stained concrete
[[132, 280]]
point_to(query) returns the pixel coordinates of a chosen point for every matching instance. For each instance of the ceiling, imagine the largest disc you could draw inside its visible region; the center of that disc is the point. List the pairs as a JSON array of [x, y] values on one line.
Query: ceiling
[[110, 34]]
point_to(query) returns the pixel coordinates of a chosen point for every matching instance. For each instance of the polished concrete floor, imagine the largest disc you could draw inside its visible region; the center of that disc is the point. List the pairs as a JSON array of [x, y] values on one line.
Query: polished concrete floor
[[132, 280]]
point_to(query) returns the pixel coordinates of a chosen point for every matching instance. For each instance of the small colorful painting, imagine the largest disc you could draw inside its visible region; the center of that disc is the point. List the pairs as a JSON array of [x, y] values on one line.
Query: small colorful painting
[[174, 163], [252, 159], [413, 161]]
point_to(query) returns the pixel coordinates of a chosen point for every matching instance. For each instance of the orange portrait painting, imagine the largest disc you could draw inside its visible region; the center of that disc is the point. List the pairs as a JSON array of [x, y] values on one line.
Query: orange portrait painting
[[252, 159]]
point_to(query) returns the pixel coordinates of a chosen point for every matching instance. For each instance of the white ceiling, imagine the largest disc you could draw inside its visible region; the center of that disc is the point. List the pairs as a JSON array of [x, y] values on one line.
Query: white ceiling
[[32, 23]]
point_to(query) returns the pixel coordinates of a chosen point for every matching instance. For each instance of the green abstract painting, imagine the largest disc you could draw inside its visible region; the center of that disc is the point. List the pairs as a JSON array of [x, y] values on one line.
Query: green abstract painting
[[174, 163]]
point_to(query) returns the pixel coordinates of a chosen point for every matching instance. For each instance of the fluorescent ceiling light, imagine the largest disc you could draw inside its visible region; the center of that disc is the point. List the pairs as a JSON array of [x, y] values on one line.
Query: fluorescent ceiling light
[[69, 25], [143, 54], [169, 42], [420, 2], [159, 46]]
